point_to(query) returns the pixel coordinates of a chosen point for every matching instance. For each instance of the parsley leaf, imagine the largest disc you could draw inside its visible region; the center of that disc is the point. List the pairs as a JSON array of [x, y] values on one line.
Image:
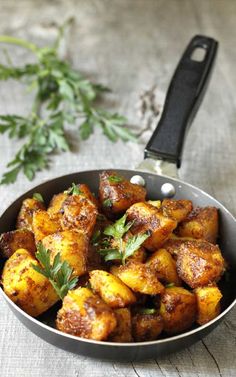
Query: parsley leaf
[[114, 179], [73, 190], [62, 95], [126, 249], [38, 196], [58, 273]]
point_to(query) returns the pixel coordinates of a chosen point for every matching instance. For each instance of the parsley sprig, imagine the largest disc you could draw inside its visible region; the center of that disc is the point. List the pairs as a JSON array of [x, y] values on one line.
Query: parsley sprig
[[73, 190], [125, 249], [58, 273], [62, 96]]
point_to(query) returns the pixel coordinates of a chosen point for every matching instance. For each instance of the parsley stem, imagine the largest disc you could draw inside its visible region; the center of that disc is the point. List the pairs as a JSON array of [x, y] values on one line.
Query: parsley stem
[[19, 42]]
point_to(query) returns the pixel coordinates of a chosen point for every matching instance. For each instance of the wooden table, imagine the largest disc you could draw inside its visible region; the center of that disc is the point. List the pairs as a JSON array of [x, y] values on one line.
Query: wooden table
[[130, 45]]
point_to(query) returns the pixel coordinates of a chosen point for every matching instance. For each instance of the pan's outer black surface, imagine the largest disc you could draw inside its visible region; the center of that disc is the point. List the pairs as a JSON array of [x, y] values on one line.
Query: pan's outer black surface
[[132, 351]]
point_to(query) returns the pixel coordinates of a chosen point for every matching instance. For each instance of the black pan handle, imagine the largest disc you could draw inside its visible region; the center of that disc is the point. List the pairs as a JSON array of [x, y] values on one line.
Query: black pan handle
[[184, 96]]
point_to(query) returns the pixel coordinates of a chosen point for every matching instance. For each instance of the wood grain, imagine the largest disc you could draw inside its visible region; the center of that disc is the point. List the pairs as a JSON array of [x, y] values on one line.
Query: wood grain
[[129, 45]]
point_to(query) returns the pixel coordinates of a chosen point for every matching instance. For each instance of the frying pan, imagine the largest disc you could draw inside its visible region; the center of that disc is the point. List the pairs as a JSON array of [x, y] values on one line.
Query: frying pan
[[162, 152]]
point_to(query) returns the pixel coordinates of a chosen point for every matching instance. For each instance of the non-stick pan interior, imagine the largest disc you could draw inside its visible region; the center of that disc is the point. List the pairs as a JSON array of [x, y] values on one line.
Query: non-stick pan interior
[[227, 238]]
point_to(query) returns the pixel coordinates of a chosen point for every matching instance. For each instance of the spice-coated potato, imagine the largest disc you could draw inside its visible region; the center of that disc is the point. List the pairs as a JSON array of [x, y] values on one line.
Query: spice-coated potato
[[16, 239], [174, 243], [72, 247], [123, 330], [79, 213], [111, 289], [139, 277], [146, 327], [208, 303], [117, 194], [25, 216], [165, 266], [178, 309], [177, 209], [30, 290], [199, 263], [43, 225], [201, 223], [146, 217], [84, 314], [55, 206]]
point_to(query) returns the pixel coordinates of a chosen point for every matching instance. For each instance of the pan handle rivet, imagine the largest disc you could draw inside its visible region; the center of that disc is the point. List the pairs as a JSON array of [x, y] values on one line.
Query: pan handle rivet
[[138, 180], [168, 190]]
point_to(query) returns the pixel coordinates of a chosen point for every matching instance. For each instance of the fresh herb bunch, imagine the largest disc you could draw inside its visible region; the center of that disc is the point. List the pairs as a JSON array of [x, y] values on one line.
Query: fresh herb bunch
[[62, 95], [58, 273], [125, 250]]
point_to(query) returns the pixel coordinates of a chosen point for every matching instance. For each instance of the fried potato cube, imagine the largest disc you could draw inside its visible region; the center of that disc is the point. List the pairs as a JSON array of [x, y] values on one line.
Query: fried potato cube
[[165, 266], [16, 239], [208, 303], [199, 263], [79, 213], [43, 225], [148, 218], [85, 191], [201, 223], [178, 309], [27, 288], [84, 314], [173, 244], [111, 289], [139, 277], [146, 327], [117, 194], [123, 330], [177, 209], [25, 216], [55, 210], [72, 247]]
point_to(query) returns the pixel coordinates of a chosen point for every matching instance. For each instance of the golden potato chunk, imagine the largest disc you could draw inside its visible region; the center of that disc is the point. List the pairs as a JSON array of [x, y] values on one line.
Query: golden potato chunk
[[178, 309], [25, 216], [55, 206], [177, 209], [139, 277], [84, 314], [201, 223], [165, 266], [27, 288], [72, 247], [208, 303], [173, 244], [43, 225], [146, 327], [16, 239], [148, 218], [79, 213], [117, 194], [123, 330], [111, 289], [199, 263], [85, 191]]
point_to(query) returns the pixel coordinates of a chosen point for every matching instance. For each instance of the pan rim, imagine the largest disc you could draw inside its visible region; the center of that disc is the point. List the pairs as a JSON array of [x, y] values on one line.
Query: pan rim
[[106, 343]]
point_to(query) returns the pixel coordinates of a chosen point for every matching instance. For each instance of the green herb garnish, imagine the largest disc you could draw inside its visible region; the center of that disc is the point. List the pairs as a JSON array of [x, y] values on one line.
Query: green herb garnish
[[58, 273], [73, 190], [169, 285], [107, 203], [125, 250], [62, 95], [114, 179], [147, 311], [38, 196]]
